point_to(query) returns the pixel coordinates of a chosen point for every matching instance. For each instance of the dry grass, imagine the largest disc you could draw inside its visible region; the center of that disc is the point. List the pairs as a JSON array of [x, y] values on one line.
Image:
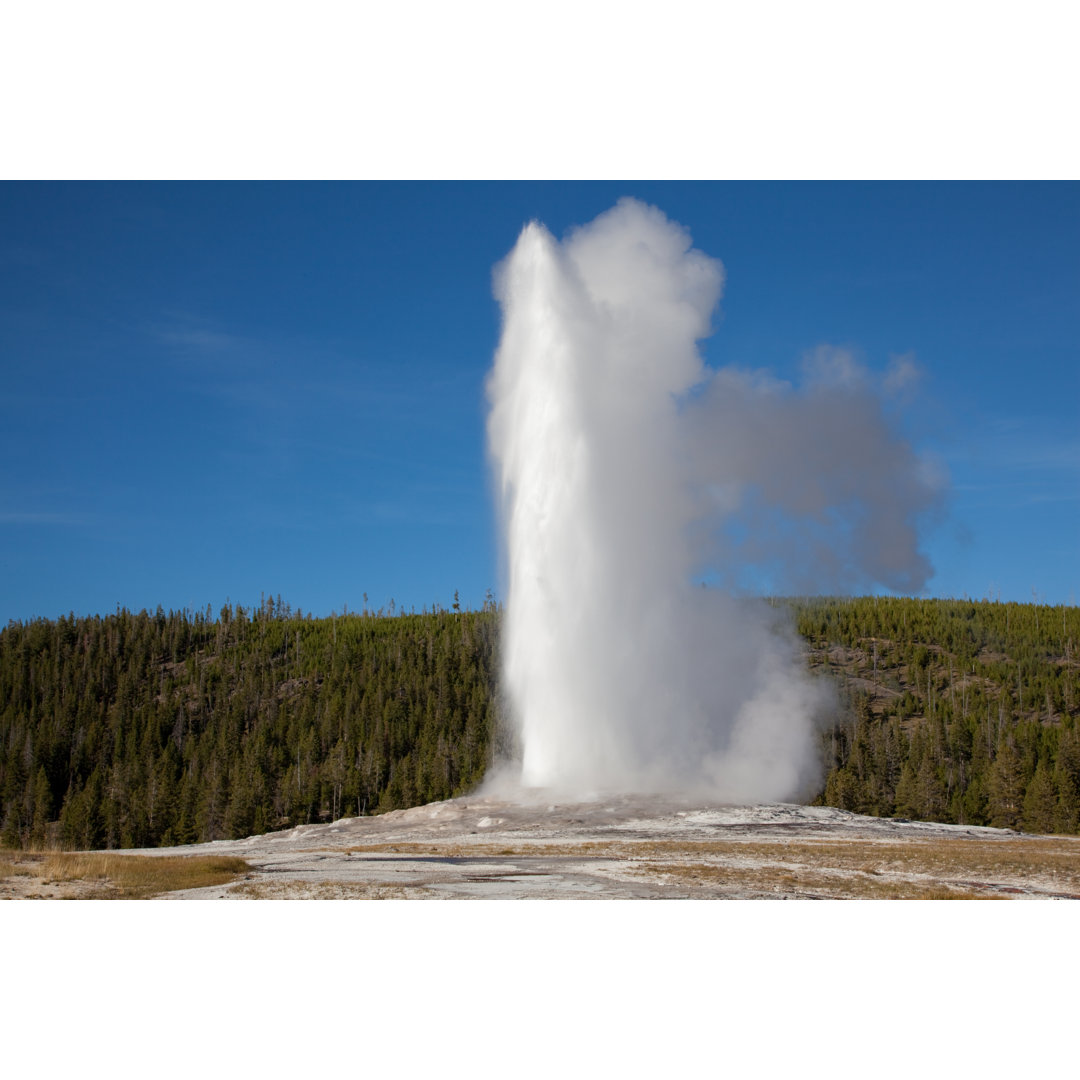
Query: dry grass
[[16, 866], [803, 883], [111, 875], [459, 850], [1042, 858], [330, 890]]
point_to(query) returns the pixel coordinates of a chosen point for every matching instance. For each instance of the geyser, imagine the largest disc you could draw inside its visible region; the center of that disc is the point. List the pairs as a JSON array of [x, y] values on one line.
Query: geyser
[[628, 473]]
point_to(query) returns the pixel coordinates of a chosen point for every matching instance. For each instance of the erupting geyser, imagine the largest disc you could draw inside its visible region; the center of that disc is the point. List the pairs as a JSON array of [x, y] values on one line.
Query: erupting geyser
[[626, 471]]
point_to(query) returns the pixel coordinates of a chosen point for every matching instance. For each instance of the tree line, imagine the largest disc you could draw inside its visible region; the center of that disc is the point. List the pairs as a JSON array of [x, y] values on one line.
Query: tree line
[[139, 730]]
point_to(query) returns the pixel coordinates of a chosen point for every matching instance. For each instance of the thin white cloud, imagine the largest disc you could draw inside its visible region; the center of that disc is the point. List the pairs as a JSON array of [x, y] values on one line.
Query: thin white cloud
[[206, 340], [194, 336], [33, 517]]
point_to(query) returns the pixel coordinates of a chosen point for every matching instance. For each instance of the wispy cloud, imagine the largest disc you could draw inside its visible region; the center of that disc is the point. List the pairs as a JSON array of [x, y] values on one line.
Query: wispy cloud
[[1048, 455], [205, 340], [33, 517], [1055, 497], [196, 337], [1024, 444], [1009, 497]]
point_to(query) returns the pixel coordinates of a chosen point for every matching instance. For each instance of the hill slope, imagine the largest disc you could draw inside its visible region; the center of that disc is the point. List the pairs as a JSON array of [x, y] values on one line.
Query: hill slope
[[139, 730], [955, 711]]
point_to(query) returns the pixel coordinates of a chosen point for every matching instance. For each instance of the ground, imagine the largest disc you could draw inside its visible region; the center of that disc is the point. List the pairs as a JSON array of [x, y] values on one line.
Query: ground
[[631, 847]]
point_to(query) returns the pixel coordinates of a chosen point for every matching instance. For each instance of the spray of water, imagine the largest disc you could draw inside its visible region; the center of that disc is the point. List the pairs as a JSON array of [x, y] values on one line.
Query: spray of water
[[628, 474]]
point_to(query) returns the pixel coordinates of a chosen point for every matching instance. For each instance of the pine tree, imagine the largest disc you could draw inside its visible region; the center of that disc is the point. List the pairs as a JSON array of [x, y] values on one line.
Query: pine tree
[[844, 790], [930, 792], [42, 809], [1006, 792], [1040, 801], [907, 793]]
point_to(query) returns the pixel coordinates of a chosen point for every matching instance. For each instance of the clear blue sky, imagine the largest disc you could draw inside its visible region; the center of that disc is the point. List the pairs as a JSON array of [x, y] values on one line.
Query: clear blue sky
[[212, 391]]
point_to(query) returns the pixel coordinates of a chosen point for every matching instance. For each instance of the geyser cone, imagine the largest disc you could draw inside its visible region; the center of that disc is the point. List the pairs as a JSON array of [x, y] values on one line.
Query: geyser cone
[[621, 672]]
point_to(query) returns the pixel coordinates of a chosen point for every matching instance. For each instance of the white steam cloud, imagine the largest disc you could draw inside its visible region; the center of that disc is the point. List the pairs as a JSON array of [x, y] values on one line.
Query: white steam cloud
[[628, 474]]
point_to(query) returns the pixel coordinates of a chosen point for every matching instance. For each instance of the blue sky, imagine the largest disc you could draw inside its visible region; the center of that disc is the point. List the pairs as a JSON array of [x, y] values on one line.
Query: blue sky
[[213, 391]]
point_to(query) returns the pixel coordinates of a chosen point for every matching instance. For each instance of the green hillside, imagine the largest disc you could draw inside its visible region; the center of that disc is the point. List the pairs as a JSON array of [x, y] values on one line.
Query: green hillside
[[153, 729], [143, 730], [953, 710]]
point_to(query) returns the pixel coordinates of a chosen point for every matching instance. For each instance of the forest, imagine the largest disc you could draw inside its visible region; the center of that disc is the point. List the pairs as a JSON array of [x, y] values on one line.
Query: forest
[[951, 710], [142, 730]]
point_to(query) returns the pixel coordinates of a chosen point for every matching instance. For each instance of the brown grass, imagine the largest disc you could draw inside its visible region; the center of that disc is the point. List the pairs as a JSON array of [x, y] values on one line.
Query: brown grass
[[330, 890], [803, 883], [11, 868], [112, 875]]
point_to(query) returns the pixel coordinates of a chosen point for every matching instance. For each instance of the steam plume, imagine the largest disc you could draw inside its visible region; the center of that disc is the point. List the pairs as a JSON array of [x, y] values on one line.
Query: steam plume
[[627, 473]]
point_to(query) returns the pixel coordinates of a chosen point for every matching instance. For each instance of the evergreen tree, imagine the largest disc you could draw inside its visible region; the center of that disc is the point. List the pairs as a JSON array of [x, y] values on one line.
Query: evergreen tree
[[1005, 788], [1040, 801]]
